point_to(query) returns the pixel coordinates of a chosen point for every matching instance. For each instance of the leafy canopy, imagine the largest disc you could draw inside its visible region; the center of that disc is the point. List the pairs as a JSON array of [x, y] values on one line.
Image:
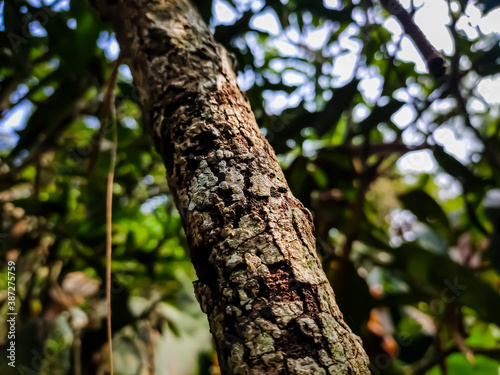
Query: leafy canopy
[[401, 171]]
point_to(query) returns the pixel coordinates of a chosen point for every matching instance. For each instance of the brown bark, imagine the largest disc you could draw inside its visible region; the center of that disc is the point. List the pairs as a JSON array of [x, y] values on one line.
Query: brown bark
[[270, 306]]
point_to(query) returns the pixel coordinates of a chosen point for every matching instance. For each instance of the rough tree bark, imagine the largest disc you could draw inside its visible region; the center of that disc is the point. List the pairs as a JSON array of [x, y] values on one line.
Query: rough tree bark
[[270, 306]]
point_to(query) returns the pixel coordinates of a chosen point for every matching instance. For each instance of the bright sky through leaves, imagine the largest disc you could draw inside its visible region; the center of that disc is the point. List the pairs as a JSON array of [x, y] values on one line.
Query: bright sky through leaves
[[432, 17]]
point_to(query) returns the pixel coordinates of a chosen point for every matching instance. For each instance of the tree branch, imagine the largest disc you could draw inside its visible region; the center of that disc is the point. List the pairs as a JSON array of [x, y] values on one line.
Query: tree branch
[[435, 62], [269, 304]]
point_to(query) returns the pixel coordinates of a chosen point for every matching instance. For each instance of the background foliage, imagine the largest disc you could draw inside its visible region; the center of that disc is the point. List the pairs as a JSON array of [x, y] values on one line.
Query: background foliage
[[408, 227]]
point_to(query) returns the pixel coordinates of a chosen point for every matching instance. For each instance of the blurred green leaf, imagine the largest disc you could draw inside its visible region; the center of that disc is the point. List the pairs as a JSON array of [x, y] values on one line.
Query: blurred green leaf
[[427, 210]]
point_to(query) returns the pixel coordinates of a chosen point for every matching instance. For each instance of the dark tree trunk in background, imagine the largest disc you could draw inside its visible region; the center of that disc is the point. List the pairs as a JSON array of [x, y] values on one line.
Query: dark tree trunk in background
[[270, 306]]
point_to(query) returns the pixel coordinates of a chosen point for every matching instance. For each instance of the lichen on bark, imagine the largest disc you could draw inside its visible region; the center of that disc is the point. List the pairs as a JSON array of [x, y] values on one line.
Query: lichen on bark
[[269, 304]]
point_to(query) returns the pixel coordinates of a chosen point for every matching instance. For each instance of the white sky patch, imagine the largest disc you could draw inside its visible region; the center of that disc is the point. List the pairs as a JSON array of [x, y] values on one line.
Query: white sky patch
[[409, 53], [267, 21], [130, 123], [316, 39], [359, 16], [21, 91], [293, 78], [310, 147], [393, 26], [407, 3], [286, 48], [36, 29], [383, 100], [415, 90], [401, 218], [271, 76], [109, 44], [292, 33], [417, 161], [474, 17], [333, 4], [475, 105], [256, 5], [91, 122], [324, 82], [457, 140], [360, 112], [346, 41], [445, 136], [152, 203], [327, 95], [449, 187], [469, 22], [246, 79], [14, 119], [125, 73], [412, 137], [443, 106], [224, 13], [492, 198], [277, 101], [61, 5], [489, 89], [371, 88], [489, 24], [256, 49], [388, 134], [344, 67], [113, 50], [433, 19], [401, 95], [35, 3], [72, 23], [244, 5], [405, 116], [277, 64], [48, 91], [148, 179], [2, 22]]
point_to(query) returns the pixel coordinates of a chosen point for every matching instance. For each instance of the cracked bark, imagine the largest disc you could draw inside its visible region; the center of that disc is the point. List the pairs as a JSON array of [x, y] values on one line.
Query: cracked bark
[[270, 306]]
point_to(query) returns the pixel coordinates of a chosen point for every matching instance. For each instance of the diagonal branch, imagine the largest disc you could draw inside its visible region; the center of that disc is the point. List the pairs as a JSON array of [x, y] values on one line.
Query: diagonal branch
[[435, 62], [269, 304]]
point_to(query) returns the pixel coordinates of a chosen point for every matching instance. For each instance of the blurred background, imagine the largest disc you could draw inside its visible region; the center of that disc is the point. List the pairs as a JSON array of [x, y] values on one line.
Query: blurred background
[[401, 171]]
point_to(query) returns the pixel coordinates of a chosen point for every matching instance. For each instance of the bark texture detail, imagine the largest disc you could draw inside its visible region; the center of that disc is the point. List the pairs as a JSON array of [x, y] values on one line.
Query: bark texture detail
[[270, 306]]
